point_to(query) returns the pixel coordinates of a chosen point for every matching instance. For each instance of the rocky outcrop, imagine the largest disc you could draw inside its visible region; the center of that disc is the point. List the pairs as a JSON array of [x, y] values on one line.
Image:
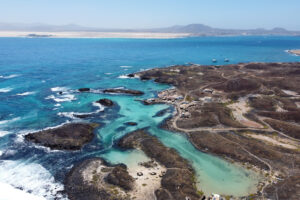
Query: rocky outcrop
[[119, 176], [123, 91], [94, 179], [178, 183], [71, 136], [84, 89], [105, 102]]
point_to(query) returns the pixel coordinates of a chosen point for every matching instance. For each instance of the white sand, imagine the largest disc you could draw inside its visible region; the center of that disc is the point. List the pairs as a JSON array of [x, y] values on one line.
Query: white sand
[[146, 185], [96, 34]]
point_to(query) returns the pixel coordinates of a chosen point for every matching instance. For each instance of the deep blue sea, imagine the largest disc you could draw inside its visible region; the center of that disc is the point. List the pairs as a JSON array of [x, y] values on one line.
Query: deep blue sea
[[34, 70]]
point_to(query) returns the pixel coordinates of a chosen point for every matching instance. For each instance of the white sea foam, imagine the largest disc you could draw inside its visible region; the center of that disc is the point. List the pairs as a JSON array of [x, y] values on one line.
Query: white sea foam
[[59, 89], [31, 178], [123, 76], [126, 66], [3, 133], [9, 120], [72, 115], [4, 90], [108, 73], [8, 192], [57, 105], [25, 93], [101, 108], [10, 76], [62, 98]]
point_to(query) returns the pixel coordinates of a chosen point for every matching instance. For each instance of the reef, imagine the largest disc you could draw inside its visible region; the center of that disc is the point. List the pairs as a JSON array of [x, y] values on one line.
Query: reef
[[123, 91]]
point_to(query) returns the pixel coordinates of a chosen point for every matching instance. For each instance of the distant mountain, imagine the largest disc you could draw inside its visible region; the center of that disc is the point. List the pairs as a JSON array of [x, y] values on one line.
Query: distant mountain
[[193, 29]]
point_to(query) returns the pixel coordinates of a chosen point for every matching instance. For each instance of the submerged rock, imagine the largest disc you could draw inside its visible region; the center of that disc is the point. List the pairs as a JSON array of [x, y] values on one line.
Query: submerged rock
[[71, 136], [131, 123], [123, 91], [84, 89], [105, 102], [131, 75]]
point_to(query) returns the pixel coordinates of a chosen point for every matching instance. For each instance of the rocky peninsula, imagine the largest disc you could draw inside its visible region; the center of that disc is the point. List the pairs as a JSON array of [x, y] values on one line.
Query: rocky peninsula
[[178, 182], [246, 113], [72, 136]]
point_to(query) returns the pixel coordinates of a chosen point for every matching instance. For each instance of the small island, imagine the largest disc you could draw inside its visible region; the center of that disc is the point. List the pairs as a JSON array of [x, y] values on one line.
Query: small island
[[72, 136]]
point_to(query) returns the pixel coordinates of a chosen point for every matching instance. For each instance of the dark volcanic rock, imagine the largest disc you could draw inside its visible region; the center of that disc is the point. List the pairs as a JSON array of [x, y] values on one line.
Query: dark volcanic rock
[[285, 189], [162, 112], [178, 183], [77, 189], [239, 84], [131, 123], [89, 179], [120, 177], [67, 137], [123, 91], [84, 89], [130, 75], [105, 102]]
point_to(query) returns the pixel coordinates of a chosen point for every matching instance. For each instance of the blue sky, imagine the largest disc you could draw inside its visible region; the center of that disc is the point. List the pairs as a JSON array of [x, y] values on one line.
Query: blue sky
[[155, 13]]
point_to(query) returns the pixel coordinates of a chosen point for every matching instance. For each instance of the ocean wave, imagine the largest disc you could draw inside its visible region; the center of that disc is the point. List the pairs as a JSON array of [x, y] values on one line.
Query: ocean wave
[[4, 133], [4, 90], [123, 76], [108, 73], [25, 93], [9, 192], [62, 98], [9, 121], [10, 76], [73, 115], [31, 178], [126, 66], [59, 89]]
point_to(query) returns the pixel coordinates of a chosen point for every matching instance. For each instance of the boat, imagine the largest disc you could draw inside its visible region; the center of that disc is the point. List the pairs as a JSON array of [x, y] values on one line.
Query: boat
[[214, 60], [226, 60]]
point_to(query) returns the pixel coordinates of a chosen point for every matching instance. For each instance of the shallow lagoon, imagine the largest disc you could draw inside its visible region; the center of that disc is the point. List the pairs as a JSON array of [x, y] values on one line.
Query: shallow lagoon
[[32, 67]]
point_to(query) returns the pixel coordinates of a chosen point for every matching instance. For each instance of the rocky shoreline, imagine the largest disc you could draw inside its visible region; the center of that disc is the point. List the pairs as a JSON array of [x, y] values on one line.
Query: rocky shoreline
[[96, 179], [223, 109]]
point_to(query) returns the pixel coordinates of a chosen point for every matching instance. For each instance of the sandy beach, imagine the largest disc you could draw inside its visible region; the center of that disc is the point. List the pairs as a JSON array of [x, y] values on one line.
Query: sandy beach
[[94, 34]]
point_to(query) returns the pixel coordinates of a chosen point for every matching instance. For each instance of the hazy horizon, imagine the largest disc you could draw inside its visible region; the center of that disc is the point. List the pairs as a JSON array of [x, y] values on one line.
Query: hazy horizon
[[134, 14]]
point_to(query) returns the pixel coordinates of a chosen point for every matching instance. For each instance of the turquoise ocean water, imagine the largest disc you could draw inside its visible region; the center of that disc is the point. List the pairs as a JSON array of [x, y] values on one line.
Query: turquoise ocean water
[[34, 71]]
